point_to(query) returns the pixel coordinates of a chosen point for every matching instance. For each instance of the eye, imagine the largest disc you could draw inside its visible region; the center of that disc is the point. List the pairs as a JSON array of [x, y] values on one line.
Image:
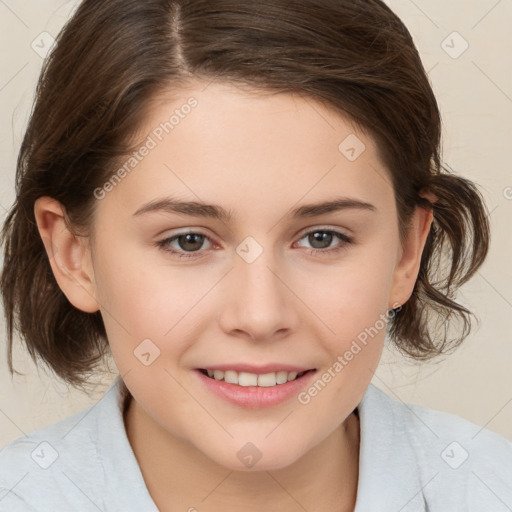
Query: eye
[[190, 242], [321, 240]]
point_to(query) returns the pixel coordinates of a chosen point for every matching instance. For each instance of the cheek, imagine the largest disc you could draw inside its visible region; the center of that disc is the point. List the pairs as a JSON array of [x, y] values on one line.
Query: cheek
[[357, 290], [353, 301], [354, 308], [142, 302]]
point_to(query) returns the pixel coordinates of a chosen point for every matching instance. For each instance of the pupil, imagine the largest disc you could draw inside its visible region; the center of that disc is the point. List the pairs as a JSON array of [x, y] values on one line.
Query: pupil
[[195, 239], [320, 236]]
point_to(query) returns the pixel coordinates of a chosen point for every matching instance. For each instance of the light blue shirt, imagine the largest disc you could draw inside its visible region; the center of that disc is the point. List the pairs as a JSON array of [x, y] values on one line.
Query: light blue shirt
[[412, 459]]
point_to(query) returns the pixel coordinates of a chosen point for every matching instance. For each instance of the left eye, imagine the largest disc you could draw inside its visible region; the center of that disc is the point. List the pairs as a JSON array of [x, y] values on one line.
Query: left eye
[[324, 238], [189, 244]]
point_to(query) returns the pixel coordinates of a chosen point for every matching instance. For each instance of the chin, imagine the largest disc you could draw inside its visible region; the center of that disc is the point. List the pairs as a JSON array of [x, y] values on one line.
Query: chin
[[251, 457]]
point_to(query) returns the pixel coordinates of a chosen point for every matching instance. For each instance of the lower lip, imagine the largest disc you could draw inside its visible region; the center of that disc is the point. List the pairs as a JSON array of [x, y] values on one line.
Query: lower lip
[[256, 397]]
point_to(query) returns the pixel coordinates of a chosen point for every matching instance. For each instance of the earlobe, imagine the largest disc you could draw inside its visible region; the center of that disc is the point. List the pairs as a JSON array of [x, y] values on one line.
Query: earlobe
[[68, 255], [407, 268]]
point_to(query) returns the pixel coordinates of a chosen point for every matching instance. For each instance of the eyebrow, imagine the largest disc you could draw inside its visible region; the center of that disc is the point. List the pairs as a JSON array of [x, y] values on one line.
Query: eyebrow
[[200, 209]]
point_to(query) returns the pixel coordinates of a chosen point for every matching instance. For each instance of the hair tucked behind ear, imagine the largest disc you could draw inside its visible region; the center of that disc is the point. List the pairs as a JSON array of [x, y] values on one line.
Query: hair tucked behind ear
[[355, 56], [456, 247]]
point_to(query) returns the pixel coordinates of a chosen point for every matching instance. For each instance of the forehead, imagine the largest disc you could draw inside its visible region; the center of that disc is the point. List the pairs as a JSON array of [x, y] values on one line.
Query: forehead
[[222, 143]]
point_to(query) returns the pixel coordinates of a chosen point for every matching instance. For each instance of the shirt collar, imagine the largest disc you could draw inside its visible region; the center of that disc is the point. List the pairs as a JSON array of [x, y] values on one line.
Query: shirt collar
[[388, 470], [388, 467], [119, 462]]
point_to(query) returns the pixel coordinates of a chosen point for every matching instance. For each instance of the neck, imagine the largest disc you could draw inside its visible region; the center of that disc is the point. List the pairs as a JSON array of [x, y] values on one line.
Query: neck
[[179, 477]]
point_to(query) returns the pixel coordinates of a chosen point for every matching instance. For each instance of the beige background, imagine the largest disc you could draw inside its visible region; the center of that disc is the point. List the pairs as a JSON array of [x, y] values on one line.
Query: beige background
[[474, 91]]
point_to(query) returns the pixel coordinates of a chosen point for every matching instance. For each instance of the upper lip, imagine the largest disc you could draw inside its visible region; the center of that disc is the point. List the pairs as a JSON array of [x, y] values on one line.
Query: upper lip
[[260, 369]]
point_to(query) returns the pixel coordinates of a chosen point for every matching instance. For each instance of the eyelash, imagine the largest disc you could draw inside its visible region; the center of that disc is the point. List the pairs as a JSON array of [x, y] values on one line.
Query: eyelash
[[164, 244]]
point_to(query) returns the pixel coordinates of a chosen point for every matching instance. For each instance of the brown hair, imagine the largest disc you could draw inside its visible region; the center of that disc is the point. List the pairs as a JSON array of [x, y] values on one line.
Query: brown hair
[[113, 57]]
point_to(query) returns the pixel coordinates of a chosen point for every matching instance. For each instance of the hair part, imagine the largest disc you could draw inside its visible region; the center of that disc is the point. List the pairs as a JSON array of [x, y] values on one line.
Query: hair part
[[354, 56]]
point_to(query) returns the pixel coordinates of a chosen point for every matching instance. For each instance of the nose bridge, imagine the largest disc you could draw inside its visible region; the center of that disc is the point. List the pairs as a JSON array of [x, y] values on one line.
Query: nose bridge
[[259, 277], [259, 302]]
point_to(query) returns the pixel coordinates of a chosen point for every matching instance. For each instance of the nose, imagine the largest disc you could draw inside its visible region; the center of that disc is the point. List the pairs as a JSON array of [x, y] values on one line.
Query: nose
[[259, 304]]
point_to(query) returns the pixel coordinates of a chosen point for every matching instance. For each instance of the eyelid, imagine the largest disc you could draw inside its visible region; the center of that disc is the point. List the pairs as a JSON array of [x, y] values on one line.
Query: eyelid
[[164, 244], [312, 229], [168, 234], [338, 232]]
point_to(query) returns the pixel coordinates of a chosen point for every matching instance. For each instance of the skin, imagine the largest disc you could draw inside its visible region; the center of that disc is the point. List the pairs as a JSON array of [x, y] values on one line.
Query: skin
[[258, 156]]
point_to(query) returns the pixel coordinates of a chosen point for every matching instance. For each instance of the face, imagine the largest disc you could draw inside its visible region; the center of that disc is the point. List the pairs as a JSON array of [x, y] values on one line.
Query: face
[[261, 281]]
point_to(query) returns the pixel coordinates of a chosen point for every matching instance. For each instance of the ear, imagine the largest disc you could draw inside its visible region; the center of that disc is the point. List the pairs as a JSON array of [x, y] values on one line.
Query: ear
[[408, 265], [68, 254]]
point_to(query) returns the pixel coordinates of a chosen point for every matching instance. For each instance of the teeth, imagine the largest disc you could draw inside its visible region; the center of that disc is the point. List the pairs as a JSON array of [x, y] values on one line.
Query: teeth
[[252, 379], [246, 379], [281, 377], [231, 377]]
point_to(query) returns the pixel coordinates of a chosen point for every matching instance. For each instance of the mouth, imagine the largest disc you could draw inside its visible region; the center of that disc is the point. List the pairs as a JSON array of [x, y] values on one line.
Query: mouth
[[247, 379], [251, 390]]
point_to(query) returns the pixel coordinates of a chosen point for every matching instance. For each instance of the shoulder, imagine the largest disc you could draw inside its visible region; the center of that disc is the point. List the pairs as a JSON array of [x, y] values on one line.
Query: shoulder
[[57, 467], [428, 425], [454, 459], [423, 420], [75, 464]]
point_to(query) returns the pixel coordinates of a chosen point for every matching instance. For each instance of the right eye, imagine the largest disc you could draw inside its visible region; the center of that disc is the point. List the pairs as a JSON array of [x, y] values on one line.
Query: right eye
[[185, 244]]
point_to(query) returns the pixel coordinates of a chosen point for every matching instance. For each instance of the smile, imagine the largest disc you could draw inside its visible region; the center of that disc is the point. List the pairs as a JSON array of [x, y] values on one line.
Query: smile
[[247, 379]]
